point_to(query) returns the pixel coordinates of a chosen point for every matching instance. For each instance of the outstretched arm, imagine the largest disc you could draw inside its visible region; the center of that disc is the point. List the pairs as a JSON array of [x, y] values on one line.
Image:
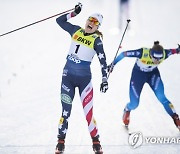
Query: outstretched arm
[[62, 20], [119, 58], [170, 52], [130, 53]]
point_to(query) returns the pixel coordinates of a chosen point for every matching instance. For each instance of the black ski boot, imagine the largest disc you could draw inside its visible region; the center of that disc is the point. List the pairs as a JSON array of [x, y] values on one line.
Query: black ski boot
[[60, 147], [176, 120], [96, 146]]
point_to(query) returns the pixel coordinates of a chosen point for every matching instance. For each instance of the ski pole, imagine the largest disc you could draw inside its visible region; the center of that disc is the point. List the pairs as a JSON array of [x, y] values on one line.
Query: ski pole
[[111, 67], [35, 22]]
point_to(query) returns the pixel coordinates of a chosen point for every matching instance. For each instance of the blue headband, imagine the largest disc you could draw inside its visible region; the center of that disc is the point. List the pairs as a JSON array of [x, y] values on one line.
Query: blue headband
[[157, 54]]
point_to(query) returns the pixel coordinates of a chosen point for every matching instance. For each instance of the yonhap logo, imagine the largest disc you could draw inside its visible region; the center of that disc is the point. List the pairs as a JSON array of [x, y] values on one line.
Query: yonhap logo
[[135, 139]]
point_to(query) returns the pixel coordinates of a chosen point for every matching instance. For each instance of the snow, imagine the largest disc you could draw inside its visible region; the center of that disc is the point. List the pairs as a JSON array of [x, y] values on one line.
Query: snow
[[31, 64]]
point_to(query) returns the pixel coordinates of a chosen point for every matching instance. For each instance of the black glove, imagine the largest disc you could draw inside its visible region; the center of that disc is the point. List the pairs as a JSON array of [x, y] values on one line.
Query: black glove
[[110, 67], [77, 8], [104, 86]]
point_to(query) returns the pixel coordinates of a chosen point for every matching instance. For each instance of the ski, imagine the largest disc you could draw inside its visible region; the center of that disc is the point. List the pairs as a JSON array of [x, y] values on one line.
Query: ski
[[59, 152], [126, 127], [98, 152]]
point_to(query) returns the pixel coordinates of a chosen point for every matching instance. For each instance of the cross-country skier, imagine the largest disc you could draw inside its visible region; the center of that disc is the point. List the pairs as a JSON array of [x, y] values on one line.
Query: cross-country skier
[[144, 71], [85, 43]]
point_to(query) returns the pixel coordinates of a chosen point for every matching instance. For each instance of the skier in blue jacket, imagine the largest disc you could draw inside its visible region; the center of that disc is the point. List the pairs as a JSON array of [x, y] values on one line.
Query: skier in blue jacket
[[85, 43], [146, 71]]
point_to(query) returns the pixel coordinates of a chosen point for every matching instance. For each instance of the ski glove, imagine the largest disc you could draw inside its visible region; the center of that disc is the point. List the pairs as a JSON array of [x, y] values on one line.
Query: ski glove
[[104, 86], [77, 8]]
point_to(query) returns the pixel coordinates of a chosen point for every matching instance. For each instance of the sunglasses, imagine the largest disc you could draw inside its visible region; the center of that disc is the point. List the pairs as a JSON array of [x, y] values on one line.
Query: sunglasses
[[94, 20]]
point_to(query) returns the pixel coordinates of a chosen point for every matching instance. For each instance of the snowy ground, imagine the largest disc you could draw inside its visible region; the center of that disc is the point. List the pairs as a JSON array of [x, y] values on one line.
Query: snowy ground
[[31, 63]]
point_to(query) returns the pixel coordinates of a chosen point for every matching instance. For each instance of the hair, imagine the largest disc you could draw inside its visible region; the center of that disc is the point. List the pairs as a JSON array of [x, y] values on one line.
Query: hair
[[99, 33], [157, 46]]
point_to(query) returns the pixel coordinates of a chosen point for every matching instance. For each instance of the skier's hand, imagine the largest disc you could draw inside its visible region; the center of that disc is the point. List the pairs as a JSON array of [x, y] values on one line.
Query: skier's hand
[[104, 86], [110, 67], [178, 49], [77, 9]]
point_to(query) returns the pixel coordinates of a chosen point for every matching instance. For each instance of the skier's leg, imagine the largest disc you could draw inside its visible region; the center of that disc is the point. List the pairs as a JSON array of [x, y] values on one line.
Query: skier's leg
[[138, 78], [86, 95], [158, 88], [67, 95]]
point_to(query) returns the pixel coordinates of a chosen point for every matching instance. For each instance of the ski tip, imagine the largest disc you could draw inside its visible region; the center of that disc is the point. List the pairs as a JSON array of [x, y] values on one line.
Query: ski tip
[[126, 126], [127, 129]]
